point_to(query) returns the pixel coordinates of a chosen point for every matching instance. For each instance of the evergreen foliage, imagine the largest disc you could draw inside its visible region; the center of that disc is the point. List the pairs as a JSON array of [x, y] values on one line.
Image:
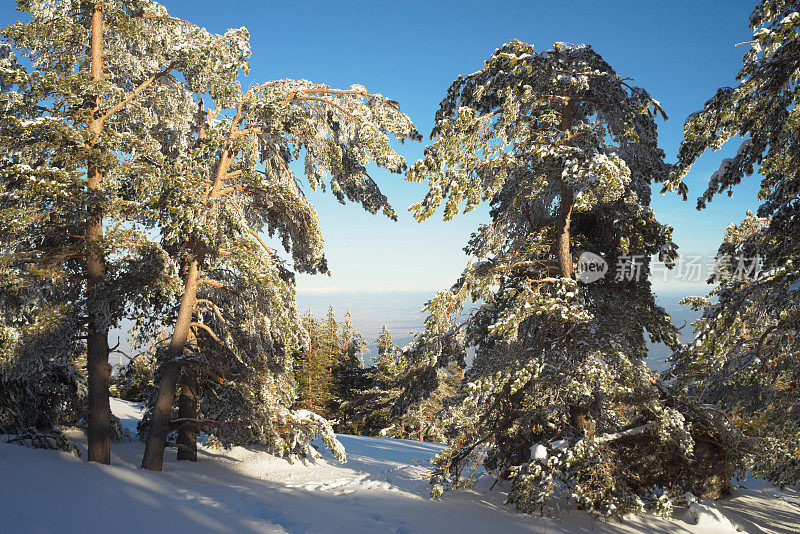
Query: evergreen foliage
[[52, 439], [745, 354], [40, 384], [102, 150], [83, 132], [135, 380], [559, 398], [138, 178], [372, 406], [215, 199], [369, 408], [329, 368]]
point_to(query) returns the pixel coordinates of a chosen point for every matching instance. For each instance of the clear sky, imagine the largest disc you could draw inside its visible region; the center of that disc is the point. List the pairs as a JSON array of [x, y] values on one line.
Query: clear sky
[[680, 51]]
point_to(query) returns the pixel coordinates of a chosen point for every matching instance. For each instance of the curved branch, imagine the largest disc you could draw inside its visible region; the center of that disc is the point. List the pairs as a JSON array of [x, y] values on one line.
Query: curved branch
[[767, 333], [209, 332], [254, 234]]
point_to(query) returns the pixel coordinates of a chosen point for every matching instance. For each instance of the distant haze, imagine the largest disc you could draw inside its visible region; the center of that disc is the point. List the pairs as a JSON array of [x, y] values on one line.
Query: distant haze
[[401, 312]]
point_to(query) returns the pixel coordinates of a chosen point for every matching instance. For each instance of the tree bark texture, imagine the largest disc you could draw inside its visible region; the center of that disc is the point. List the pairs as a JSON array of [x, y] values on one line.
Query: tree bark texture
[[99, 411], [160, 419], [187, 409]]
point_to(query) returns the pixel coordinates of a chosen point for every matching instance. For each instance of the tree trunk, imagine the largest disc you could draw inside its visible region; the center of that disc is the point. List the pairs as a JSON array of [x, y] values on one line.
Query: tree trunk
[[160, 420], [187, 409], [99, 411], [309, 380], [159, 423], [187, 399], [98, 429], [563, 248], [420, 416], [579, 415]]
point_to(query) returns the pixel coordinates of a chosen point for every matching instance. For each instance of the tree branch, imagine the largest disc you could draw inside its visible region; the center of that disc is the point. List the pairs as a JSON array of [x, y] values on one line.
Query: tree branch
[[606, 438], [133, 94], [254, 234], [213, 307], [767, 333], [209, 332], [233, 174], [547, 264], [212, 283]]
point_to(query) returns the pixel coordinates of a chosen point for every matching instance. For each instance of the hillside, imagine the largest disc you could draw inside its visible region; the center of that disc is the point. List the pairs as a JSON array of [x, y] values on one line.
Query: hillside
[[380, 489]]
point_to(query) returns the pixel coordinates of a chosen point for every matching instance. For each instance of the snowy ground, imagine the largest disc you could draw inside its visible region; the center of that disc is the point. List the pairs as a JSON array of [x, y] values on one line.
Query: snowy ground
[[380, 489]]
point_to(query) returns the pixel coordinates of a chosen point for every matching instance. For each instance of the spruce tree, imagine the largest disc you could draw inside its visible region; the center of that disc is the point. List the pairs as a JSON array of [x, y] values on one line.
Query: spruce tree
[[84, 129], [348, 371], [374, 404], [558, 398], [746, 348], [314, 365]]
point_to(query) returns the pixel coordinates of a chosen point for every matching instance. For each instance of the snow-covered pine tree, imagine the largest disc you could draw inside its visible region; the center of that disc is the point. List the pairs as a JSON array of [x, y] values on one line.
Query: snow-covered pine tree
[[135, 379], [39, 388], [559, 398], [745, 356], [237, 183], [348, 372], [424, 420], [240, 357], [372, 405], [40, 384], [83, 131]]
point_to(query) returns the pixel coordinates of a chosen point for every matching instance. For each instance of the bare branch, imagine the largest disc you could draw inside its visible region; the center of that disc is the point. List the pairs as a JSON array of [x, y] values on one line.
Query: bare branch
[[606, 438], [254, 234]]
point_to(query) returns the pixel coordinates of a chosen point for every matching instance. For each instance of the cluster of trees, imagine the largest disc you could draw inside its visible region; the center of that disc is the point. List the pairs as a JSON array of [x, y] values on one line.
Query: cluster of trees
[[329, 369], [332, 380], [136, 176], [126, 198], [558, 398], [375, 405]]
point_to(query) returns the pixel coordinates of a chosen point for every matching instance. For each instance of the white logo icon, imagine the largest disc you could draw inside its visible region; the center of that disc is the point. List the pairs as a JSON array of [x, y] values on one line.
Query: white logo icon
[[591, 268]]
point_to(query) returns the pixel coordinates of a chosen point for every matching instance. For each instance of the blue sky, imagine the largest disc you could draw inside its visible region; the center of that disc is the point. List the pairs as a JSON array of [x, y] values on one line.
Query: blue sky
[[680, 51], [411, 51]]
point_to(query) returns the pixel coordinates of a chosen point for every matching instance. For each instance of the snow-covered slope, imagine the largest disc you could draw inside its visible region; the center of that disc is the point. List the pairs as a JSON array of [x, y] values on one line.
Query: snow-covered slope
[[382, 488]]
